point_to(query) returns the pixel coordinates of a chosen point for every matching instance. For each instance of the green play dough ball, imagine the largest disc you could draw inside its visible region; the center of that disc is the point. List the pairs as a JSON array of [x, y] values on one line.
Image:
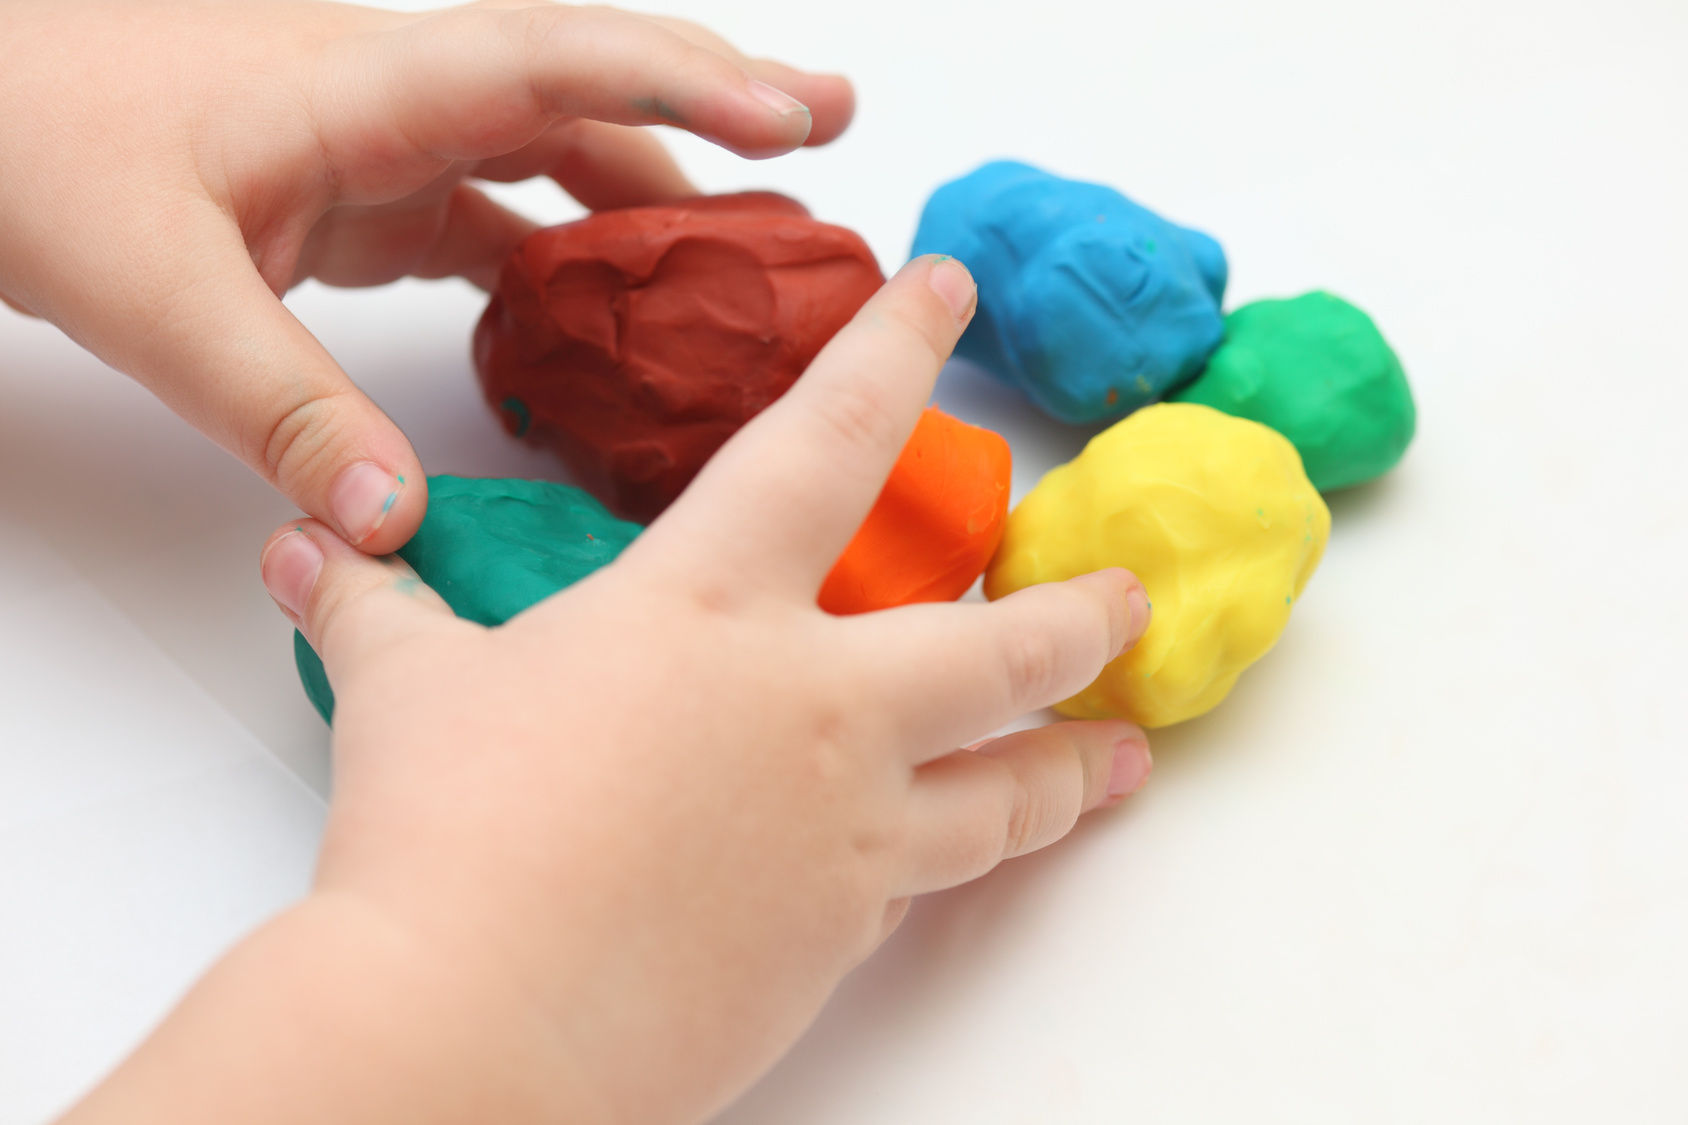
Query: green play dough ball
[[1317, 370], [492, 548]]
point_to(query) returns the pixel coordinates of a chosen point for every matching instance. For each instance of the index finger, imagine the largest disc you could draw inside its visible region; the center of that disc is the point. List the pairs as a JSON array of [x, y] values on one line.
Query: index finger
[[830, 97], [781, 500], [473, 83]]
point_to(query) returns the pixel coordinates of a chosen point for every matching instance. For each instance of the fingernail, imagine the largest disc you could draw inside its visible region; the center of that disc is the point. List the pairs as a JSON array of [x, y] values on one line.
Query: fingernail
[[777, 100], [361, 499], [1132, 763], [290, 568], [950, 280], [1137, 603]]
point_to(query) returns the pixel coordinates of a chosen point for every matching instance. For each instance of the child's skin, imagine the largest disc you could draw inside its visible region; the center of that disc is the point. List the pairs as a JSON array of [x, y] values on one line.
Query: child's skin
[[602, 864]]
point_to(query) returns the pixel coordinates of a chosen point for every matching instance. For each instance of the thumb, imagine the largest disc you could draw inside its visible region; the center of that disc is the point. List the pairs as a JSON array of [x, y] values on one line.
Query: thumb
[[349, 606], [225, 353]]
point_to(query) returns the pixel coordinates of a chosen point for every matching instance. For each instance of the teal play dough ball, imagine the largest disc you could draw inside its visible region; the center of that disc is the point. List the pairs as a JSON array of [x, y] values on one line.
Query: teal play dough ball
[[492, 548], [1317, 370]]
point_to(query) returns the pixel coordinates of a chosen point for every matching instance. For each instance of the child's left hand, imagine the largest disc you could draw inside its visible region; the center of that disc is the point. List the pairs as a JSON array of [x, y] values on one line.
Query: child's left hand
[[172, 167]]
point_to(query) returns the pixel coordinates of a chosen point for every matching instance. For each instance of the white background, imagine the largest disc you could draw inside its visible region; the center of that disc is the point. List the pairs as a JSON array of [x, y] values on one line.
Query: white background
[[1428, 863]]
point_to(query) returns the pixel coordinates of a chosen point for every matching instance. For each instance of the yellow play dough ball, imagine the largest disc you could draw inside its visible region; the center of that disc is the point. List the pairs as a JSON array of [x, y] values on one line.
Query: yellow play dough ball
[[1218, 519]]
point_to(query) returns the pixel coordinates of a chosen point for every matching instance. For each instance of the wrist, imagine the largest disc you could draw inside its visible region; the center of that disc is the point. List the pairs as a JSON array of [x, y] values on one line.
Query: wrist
[[335, 1012]]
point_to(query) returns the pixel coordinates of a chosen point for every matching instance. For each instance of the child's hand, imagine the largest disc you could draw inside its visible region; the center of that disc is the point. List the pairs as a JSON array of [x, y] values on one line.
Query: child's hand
[[604, 863], [171, 166]]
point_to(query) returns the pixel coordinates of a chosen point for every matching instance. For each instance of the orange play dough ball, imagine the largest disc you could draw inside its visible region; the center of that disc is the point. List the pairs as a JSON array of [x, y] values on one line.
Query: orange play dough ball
[[935, 526]]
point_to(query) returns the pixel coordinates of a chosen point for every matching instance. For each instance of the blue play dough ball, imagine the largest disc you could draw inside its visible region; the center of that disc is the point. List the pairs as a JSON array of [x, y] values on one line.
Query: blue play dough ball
[[1092, 305]]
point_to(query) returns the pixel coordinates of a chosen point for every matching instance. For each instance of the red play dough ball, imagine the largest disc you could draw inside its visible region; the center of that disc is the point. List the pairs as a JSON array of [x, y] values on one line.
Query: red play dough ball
[[636, 342], [935, 525]]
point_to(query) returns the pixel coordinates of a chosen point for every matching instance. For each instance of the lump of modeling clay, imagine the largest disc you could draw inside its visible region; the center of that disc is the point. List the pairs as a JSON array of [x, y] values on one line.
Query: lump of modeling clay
[[1089, 303], [637, 341], [1317, 370], [935, 525], [1216, 517], [492, 548]]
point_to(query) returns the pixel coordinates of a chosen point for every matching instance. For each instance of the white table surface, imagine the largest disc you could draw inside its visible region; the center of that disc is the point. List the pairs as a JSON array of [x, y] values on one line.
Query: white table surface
[[1428, 863]]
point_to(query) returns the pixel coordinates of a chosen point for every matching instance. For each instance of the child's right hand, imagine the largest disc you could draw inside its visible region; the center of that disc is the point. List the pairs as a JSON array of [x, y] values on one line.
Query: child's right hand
[[171, 167], [605, 863]]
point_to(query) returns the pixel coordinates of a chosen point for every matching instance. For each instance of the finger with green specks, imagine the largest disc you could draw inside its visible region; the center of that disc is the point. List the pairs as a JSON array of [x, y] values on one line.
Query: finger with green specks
[[470, 83], [350, 606]]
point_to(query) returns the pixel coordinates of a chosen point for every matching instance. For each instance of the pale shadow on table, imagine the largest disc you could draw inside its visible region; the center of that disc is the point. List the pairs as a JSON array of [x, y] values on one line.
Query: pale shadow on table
[[1361, 503]]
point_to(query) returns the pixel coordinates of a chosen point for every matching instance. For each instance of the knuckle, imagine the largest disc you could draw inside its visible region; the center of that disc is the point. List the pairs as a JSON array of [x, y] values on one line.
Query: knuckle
[[1046, 804], [1025, 823], [332, 617], [1078, 772], [300, 440], [1066, 633], [535, 30], [339, 597], [1032, 663], [1093, 759], [1002, 822], [535, 34], [1104, 603], [701, 588], [857, 415], [544, 35], [540, 36], [692, 32], [716, 597], [924, 323], [355, 604]]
